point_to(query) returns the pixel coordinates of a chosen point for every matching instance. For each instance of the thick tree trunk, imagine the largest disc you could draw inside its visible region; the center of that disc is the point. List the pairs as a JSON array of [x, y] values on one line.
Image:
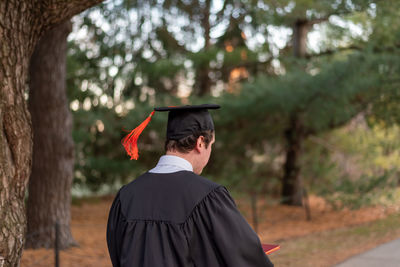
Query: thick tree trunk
[[21, 24], [292, 191], [52, 163], [15, 127]]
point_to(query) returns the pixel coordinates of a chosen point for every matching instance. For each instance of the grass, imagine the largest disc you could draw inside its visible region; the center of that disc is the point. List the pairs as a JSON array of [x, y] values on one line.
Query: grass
[[331, 247]]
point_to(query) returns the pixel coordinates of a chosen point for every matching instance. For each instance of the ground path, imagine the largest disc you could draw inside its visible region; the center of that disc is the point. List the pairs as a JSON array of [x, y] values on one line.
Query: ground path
[[386, 255], [330, 237]]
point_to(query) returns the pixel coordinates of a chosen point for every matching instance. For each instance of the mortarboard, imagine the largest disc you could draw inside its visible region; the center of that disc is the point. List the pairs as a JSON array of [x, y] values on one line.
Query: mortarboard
[[182, 121]]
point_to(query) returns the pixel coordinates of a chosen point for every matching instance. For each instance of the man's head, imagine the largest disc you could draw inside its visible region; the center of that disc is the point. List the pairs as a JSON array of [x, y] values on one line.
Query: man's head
[[196, 148], [190, 132]]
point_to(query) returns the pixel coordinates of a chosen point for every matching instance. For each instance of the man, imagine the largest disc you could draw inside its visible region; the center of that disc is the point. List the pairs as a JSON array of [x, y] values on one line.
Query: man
[[170, 216]]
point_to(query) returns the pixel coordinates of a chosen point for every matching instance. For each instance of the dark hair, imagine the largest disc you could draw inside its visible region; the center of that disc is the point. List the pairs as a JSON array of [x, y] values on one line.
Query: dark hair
[[188, 143]]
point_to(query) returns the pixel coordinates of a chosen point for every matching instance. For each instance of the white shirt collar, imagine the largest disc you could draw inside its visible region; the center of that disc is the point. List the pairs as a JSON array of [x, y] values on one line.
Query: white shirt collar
[[169, 164]]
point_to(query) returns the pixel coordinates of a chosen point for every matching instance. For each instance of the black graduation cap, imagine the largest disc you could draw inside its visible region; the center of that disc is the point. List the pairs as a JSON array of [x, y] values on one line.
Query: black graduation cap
[[182, 121]]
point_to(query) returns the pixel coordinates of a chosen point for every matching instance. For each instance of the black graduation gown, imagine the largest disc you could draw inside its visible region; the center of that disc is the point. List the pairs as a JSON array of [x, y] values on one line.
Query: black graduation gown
[[179, 219]]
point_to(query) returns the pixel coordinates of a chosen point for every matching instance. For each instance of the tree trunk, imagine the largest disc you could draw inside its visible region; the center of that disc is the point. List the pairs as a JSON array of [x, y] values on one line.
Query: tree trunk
[[21, 24], [203, 80], [291, 183], [300, 31], [52, 162], [15, 127]]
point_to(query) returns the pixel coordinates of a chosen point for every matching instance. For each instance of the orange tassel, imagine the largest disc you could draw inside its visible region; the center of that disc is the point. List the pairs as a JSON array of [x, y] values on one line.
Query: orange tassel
[[130, 141]]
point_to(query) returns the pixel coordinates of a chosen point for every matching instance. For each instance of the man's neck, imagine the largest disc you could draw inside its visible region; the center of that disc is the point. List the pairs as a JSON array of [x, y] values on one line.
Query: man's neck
[[187, 156]]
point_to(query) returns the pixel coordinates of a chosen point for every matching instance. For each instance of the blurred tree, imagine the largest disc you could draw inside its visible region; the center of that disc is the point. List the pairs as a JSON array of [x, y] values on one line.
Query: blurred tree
[[53, 148], [153, 49], [385, 37], [135, 56], [301, 16], [320, 102], [363, 165], [21, 25], [166, 55]]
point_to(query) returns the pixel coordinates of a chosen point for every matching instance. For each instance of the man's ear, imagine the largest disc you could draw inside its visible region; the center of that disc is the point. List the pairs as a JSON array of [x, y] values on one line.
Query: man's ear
[[199, 143]]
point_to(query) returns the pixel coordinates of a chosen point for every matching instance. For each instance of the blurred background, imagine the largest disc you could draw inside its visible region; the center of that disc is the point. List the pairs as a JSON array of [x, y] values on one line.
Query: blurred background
[[307, 139]]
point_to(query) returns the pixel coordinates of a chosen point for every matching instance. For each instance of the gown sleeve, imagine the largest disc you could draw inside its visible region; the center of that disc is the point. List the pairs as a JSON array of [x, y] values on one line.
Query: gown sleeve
[[114, 227], [235, 240]]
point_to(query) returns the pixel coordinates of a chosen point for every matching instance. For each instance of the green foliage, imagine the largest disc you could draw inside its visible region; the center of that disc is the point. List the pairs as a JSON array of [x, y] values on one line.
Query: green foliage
[[322, 101], [355, 166], [367, 190], [252, 124], [131, 56]]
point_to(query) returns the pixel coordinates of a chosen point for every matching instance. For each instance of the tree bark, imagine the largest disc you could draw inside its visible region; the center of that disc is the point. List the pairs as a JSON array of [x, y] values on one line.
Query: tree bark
[[52, 162], [291, 183], [22, 22], [15, 127]]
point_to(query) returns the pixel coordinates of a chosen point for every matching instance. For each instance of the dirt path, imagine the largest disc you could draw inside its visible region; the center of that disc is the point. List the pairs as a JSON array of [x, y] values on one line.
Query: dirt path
[[280, 224]]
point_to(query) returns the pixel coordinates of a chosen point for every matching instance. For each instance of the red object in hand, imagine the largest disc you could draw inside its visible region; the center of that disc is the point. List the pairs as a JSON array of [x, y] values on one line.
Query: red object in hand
[[268, 248]]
